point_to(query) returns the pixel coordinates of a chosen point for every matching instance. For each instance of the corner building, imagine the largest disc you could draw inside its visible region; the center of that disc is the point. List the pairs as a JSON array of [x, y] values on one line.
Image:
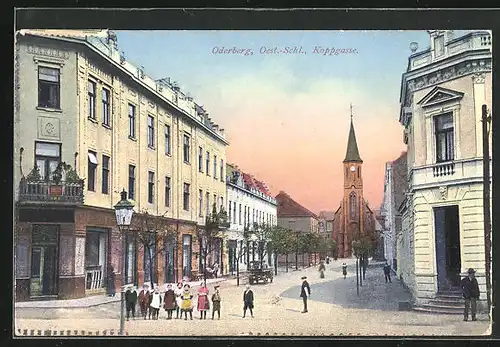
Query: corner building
[[79, 101]]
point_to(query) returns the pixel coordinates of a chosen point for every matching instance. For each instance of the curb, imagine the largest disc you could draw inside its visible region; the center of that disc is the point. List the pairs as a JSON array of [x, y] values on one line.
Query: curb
[[68, 332], [66, 306]]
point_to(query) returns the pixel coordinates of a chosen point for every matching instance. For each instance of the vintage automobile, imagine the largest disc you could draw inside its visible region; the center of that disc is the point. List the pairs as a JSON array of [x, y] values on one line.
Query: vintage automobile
[[259, 273]]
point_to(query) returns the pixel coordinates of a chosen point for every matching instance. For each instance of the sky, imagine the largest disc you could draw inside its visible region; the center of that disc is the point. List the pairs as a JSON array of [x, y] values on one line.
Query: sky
[[287, 116]]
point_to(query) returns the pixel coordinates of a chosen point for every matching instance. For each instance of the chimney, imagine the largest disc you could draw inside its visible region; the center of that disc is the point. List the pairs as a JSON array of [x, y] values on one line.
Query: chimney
[[175, 86]]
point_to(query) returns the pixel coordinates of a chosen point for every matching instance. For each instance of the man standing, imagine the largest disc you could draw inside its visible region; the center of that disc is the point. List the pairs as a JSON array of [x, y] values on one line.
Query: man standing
[[130, 301], [305, 292], [344, 269], [470, 291], [387, 273], [247, 301]]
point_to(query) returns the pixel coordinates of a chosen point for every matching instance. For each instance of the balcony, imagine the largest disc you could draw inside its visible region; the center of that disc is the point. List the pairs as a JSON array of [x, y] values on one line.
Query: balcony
[[443, 169], [50, 192]]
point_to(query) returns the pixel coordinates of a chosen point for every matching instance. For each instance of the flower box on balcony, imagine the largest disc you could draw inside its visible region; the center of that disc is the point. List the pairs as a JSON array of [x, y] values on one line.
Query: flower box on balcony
[[55, 190]]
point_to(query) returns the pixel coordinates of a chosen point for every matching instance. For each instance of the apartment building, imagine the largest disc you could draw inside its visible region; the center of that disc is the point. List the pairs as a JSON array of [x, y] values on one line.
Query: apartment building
[[442, 93], [78, 101]]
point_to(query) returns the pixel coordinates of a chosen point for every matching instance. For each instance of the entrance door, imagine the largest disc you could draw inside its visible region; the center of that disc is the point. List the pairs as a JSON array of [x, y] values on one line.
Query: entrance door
[[448, 260], [44, 262]]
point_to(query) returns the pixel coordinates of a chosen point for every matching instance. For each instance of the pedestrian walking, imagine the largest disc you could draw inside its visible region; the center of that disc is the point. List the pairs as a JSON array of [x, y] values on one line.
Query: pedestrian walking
[[155, 304], [216, 302], [216, 269], [327, 260], [187, 304], [144, 297], [130, 301], [110, 281], [344, 269], [178, 293], [387, 273], [248, 301], [169, 301], [470, 291], [321, 269], [305, 292], [203, 303]]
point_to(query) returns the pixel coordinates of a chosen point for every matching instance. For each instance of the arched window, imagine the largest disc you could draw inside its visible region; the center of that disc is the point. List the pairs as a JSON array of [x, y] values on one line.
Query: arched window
[[359, 172], [352, 204]]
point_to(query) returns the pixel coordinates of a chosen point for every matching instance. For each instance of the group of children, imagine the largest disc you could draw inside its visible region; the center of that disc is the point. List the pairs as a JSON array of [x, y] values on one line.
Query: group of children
[[179, 300]]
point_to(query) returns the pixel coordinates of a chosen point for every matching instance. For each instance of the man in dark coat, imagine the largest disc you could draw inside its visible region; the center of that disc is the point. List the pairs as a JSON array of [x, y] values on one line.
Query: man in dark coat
[[305, 292], [470, 291], [130, 301], [110, 285], [387, 273], [247, 301]]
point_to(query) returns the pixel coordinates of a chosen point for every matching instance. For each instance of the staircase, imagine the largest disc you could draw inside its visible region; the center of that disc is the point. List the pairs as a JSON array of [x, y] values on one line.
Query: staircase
[[446, 302]]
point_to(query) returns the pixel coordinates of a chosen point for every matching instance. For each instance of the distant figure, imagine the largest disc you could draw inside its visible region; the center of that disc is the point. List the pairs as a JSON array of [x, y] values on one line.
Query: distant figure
[[130, 301], [216, 269], [169, 301], [216, 302], [321, 270], [155, 304], [470, 291], [247, 301], [387, 273], [144, 297], [344, 269], [327, 260], [305, 292], [203, 303], [110, 285]]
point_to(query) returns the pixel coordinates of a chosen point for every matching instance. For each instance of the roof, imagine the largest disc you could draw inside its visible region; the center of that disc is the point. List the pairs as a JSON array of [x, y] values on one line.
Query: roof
[[249, 180], [327, 215], [287, 207], [352, 152]]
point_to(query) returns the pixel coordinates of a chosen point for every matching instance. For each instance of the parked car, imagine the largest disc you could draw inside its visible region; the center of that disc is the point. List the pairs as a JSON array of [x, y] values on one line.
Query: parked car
[[258, 273]]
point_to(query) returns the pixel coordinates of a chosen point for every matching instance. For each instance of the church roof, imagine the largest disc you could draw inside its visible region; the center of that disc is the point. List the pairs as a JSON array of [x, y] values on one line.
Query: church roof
[[287, 207], [352, 153]]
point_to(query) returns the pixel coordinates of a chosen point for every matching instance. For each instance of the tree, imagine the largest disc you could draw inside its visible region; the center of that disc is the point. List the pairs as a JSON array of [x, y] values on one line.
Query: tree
[[207, 237], [363, 247], [282, 244], [153, 234]]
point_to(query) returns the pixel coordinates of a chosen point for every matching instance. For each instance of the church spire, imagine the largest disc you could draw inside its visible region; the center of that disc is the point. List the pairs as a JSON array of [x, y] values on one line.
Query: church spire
[[352, 153]]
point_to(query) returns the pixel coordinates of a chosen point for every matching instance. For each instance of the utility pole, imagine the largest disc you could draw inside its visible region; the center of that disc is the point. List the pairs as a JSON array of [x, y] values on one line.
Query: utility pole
[[486, 120]]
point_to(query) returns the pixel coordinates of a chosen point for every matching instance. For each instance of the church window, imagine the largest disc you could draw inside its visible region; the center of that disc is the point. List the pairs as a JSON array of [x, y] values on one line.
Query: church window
[[359, 172], [352, 203]]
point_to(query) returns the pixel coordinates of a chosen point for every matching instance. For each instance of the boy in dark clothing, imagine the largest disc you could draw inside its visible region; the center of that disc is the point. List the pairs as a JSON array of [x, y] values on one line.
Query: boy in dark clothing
[[248, 301], [387, 273], [470, 291], [305, 292], [130, 301]]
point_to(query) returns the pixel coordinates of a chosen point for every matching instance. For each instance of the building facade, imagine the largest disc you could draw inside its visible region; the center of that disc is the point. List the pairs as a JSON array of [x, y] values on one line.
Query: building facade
[[297, 219], [442, 93], [353, 215], [78, 101], [249, 202]]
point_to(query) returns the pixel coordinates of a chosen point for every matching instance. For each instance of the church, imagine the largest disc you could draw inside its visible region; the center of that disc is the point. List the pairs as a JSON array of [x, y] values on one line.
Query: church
[[353, 215]]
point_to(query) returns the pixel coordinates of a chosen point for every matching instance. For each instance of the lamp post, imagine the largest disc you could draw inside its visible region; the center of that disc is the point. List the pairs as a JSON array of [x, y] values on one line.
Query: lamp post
[[124, 210]]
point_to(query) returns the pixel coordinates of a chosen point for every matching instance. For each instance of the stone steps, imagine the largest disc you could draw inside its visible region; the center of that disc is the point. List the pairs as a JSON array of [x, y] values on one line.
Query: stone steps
[[435, 310]]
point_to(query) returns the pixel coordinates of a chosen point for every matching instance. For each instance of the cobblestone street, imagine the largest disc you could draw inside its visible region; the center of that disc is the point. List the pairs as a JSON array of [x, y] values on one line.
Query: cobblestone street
[[334, 309]]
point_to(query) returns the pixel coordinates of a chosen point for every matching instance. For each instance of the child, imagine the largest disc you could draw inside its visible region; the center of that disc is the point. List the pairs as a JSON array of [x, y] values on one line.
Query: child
[[187, 305], [178, 292], [216, 302], [130, 301], [144, 297], [203, 303], [155, 304], [169, 302]]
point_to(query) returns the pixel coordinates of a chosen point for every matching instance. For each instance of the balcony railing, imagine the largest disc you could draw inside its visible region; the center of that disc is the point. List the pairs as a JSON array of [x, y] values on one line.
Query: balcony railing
[[42, 191], [443, 169]]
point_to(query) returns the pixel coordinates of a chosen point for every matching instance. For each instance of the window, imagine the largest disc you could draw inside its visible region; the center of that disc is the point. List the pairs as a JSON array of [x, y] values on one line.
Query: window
[[186, 197], [229, 210], [151, 132], [151, 186], [167, 139], [130, 259], [131, 121], [92, 97], [47, 158], [221, 203], [207, 166], [352, 203], [186, 149], [48, 87], [359, 172], [239, 215], [105, 174], [234, 212], [149, 260], [244, 214], [167, 191], [131, 182], [91, 172], [222, 170], [444, 137], [439, 46], [200, 159], [215, 202], [186, 255], [105, 107], [201, 203], [215, 167], [208, 202]]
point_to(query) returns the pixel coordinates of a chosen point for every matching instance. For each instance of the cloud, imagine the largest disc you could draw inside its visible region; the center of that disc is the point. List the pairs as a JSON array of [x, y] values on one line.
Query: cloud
[[292, 134]]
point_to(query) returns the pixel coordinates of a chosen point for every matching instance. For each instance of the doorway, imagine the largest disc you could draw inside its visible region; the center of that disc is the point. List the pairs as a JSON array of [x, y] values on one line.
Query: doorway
[[447, 234], [169, 262], [44, 264]]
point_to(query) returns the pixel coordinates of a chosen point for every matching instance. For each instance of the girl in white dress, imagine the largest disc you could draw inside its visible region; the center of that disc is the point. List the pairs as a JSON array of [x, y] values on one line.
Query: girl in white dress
[[155, 303], [178, 300]]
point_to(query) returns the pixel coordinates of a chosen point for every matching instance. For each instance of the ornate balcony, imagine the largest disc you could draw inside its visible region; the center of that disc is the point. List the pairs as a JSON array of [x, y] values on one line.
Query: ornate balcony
[[443, 169], [50, 192]]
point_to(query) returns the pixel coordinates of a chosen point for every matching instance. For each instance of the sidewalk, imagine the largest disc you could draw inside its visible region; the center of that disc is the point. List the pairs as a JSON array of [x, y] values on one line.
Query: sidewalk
[[92, 301]]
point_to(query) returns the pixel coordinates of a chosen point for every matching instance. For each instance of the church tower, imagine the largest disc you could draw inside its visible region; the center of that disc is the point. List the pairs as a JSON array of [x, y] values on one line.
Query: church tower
[[353, 191]]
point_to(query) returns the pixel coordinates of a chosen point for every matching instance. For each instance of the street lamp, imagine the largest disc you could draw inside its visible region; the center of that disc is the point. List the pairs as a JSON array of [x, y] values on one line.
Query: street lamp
[[124, 210]]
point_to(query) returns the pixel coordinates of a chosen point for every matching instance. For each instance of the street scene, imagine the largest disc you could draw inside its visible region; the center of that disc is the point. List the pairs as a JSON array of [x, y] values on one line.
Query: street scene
[[252, 183]]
